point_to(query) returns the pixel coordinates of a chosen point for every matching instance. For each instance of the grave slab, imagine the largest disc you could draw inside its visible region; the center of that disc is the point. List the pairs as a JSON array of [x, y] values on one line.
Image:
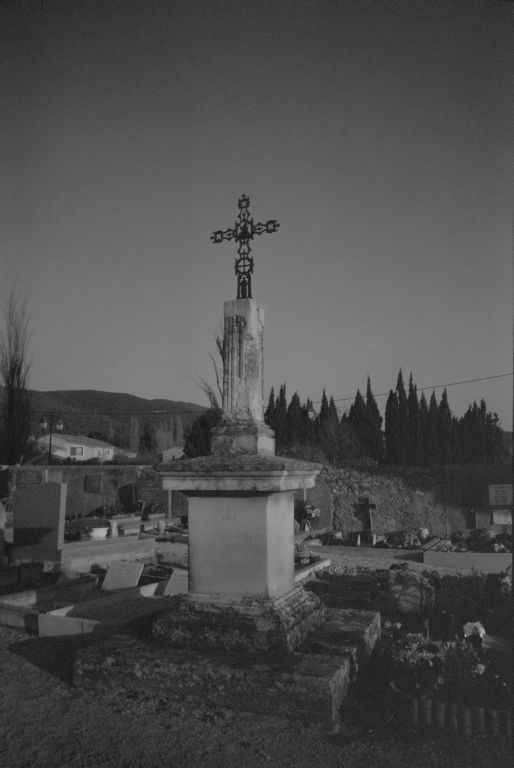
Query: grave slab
[[177, 584], [54, 626], [81, 555], [122, 575]]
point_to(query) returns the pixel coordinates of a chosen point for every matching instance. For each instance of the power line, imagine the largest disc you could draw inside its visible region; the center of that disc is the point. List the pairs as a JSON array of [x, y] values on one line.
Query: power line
[[421, 389], [203, 409]]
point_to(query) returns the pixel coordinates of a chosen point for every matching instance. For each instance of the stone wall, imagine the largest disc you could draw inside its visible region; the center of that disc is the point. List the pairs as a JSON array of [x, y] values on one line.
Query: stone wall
[[442, 499], [93, 486]]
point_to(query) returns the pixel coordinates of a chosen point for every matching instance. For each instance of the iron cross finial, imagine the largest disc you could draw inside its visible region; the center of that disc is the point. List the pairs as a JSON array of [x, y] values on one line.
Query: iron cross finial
[[244, 231]]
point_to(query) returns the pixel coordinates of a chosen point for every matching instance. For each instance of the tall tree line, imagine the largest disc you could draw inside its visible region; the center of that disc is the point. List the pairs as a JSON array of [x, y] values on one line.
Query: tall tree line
[[418, 433], [414, 432]]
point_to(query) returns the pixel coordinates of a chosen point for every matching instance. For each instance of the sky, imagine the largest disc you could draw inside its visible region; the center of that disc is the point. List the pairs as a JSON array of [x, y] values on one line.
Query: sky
[[379, 135]]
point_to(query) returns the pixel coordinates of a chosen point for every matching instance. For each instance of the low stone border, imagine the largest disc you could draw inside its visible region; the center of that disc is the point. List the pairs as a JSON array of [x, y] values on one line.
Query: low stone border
[[456, 718], [489, 562], [374, 552], [305, 570]]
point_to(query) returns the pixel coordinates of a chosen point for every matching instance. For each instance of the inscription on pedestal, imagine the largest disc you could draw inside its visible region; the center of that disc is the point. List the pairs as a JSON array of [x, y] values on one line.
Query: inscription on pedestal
[[231, 552]]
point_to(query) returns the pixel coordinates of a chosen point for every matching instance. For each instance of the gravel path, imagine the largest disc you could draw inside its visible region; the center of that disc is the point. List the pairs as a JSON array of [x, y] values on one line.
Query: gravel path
[[46, 722]]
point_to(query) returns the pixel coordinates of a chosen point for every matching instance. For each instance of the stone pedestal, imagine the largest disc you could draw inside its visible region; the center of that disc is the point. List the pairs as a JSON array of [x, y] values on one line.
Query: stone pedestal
[[242, 593]]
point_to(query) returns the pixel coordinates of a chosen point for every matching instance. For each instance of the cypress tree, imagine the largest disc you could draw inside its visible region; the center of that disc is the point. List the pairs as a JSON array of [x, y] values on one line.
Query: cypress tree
[[444, 429], [494, 446], [374, 421], [324, 415], [331, 431], [423, 428], [432, 452], [294, 428], [280, 419], [403, 421], [269, 414], [456, 450], [481, 441], [415, 438], [358, 420], [392, 453]]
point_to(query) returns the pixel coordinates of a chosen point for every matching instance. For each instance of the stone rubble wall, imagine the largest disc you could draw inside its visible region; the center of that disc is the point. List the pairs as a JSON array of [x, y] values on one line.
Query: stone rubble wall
[[442, 499]]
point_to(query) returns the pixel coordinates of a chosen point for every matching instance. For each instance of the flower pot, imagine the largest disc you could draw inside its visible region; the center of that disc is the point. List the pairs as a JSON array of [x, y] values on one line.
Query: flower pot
[[99, 533]]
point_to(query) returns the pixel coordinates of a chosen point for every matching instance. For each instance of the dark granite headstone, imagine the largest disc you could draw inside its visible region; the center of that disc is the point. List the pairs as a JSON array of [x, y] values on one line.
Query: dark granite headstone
[[151, 492], [38, 521]]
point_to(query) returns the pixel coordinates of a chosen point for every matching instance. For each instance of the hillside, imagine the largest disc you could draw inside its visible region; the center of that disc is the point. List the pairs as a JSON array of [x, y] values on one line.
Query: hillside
[[85, 411]]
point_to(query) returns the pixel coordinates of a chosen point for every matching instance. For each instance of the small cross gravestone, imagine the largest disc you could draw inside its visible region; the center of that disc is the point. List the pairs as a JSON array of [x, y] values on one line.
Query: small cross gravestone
[[369, 507]]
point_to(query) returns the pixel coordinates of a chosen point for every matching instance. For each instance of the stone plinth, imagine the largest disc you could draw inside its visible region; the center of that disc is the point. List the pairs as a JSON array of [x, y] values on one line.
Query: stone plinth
[[212, 622], [233, 438], [242, 591]]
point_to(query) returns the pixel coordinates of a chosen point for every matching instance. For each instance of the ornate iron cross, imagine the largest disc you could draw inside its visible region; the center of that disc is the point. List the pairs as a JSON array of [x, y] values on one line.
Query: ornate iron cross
[[244, 231]]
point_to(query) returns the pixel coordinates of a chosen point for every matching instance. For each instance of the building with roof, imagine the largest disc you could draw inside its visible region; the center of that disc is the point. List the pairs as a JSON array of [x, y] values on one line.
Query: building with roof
[[171, 454], [82, 448]]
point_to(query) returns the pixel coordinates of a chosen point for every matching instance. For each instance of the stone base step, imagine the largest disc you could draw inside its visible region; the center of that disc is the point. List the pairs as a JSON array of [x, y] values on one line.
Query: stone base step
[[346, 632], [308, 686]]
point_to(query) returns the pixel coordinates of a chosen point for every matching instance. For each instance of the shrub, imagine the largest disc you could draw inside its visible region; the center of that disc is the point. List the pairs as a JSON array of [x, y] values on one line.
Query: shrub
[[457, 671]]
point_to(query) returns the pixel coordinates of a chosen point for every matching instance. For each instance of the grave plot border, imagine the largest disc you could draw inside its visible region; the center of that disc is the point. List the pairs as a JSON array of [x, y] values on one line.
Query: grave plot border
[[420, 712]]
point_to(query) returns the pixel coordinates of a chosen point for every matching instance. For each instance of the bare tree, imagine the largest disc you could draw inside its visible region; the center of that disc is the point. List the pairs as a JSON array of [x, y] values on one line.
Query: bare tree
[[206, 388], [134, 438], [14, 373]]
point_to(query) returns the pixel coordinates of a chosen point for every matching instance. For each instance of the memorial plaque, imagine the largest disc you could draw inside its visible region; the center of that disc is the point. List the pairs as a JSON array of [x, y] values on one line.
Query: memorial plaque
[[500, 495], [93, 484], [502, 517], [122, 575], [150, 492], [177, 583], [27, 478]]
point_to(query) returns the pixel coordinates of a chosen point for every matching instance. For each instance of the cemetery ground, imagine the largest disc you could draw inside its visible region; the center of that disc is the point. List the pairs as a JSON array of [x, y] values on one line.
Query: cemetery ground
[[45, 721]]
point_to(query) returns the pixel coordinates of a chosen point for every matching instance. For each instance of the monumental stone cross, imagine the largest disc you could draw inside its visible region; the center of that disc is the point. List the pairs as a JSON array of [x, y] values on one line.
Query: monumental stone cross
[[244, 231], [242, 593]]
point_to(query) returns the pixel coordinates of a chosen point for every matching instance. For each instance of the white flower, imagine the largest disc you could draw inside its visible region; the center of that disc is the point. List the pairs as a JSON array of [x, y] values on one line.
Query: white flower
[[474, 628]]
